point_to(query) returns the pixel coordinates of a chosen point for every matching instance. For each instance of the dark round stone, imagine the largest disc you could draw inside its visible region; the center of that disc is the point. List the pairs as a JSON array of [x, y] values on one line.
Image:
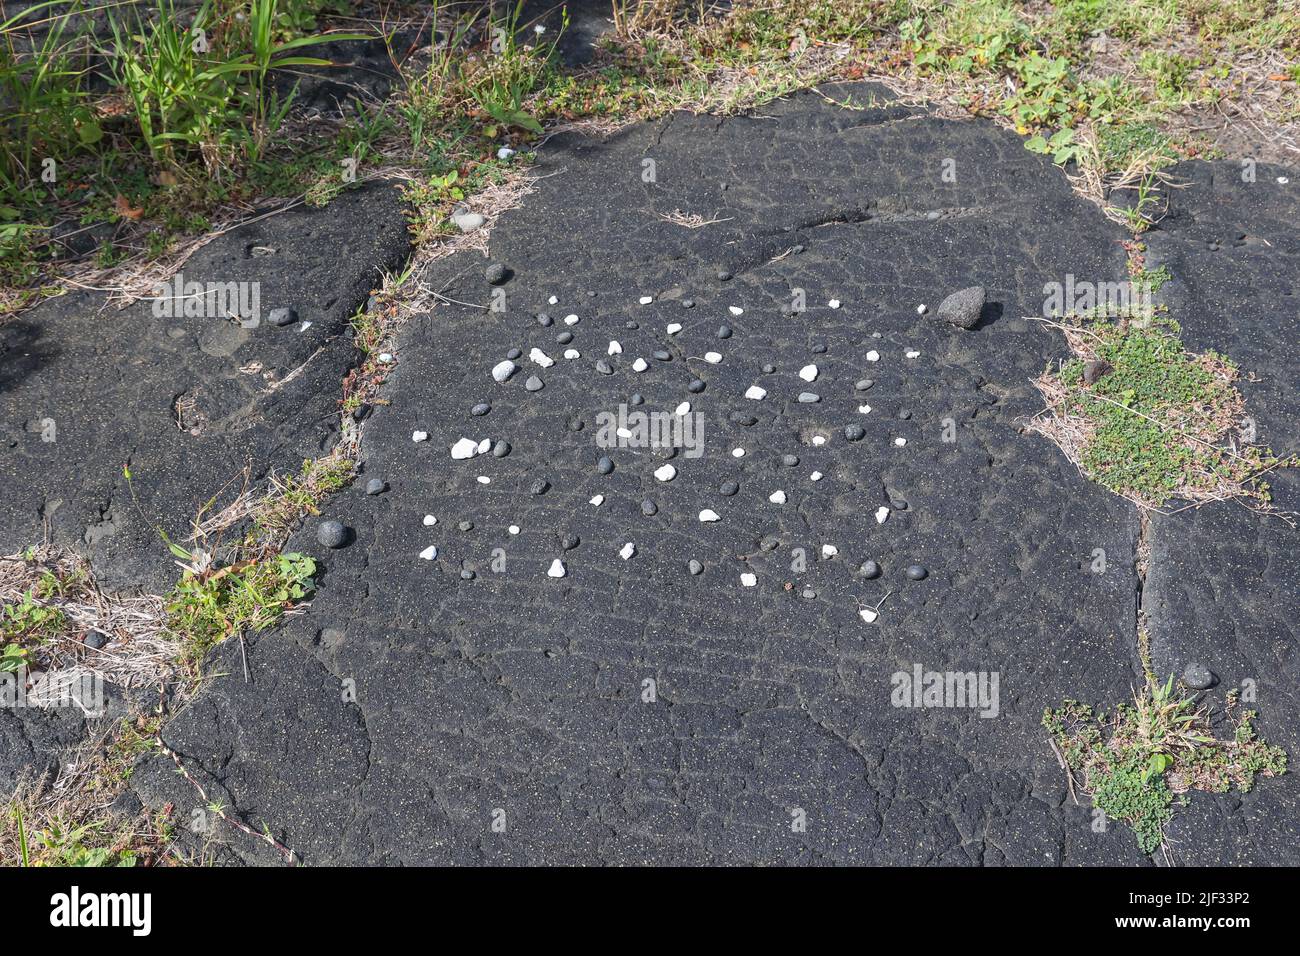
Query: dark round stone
[[743, 420], [695, 387], [695, 567], [724, 331], [724, 275], [466, 574], [917, 573], [603, 367], [534, 384], [819, 349], [570, 541], [864, 384], [1198, 676], [360, 412], [605, 465], [501, 448], [649, 508], [544, 320], [376, 486], [482, 408], [869, 570], [904, 414], [855, 432], [629, 324], [513, 354], [495, 273], [282, 315], [95, 640], [332, 534], [466, 526], [688, 303], [769, 368], [539, 487], [564, 338], [636, 398], [576, 425], [663, 355], [728, 488]]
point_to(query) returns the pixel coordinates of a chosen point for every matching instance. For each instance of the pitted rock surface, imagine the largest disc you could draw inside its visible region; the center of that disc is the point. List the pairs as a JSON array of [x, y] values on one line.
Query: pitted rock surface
[[185, 402], [633, 710]]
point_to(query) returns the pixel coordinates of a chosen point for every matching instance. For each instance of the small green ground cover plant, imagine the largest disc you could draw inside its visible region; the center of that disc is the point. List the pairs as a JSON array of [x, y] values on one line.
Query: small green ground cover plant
[[1137, 763], [1146, 418]]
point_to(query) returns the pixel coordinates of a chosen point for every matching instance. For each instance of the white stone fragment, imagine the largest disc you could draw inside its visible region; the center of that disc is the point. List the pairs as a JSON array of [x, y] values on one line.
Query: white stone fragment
[[503, 370], [628, 550], [541, 358], [921, 309], [513, 529], [868, 614], [808, 373], [912, 353], [465, 448], [640, 365], [756, 392], [708, 515], [735, 310], [598, 500], [673, 328], [484, 480], [484, 445], [900, 441], [819, 439], [429, 553], [557, 569], [572, 354], [614, 348], [834, 303], [713, 358], [777, 497], [737, 453], [748, 579], [504, 153], [647, 299], [623, 432], [829, 551], [882, 513], [815, 476], [665, 472], [553, 300], [430, 521], [683, 408], [385, 357], [873, 356], [864, 409], [570, 319], [419, 436]]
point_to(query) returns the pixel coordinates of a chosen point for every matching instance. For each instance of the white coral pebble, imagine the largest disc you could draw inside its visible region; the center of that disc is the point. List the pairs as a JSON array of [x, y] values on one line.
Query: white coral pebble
[[665, 472], [713, 358], [629, 549], [808, 373], [873, 356], [756, 392], [868, 614], [614, 347], [673, 328], [430, 521], [429, 553], [748, 580], [419, 436], [708, 515], [829, 551], [557, 569], [881, 514], [541, 358], [465, 448], [777, 497]]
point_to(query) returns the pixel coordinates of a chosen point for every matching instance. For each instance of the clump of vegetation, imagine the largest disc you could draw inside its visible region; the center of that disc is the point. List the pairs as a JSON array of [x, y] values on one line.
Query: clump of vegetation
[[1135, 764], [25, 625], [209, 605], [1148, 419]]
